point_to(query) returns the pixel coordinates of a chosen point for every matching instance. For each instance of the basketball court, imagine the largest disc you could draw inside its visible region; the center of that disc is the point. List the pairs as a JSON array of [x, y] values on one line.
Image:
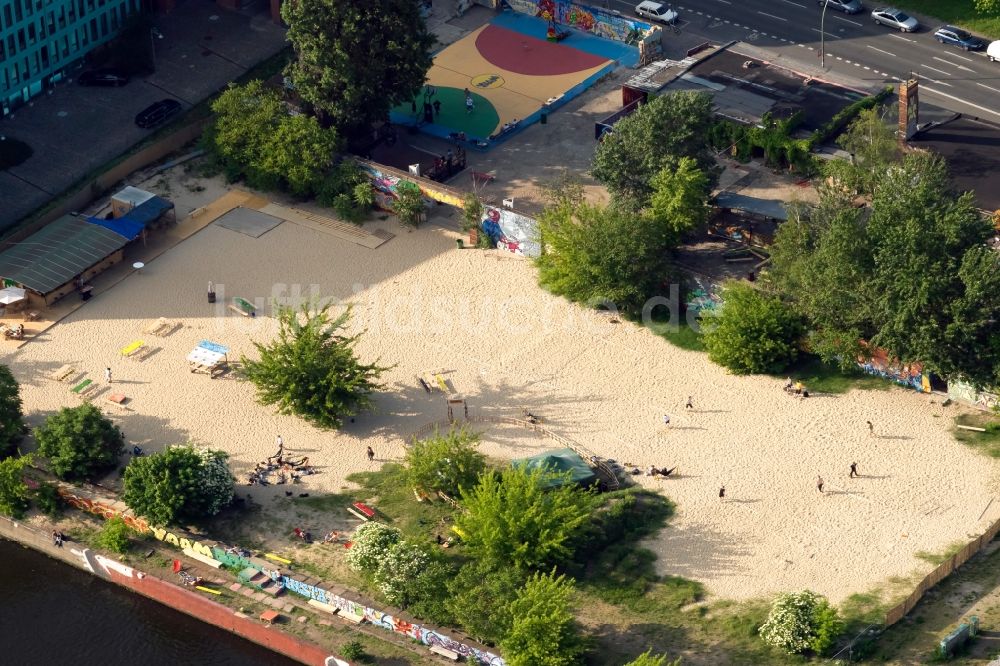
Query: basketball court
[[512, 73]]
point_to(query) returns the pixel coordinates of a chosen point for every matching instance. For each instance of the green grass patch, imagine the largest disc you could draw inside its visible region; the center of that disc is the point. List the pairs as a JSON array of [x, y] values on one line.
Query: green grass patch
[[820, 377], [13, 152], [938, 558], [987, 442], [679, 334], [956, 12]]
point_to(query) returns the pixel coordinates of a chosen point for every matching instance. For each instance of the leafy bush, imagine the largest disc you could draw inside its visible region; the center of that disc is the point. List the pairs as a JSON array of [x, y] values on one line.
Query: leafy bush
[[370, 542], [427, 594], [80, 442], [399, 567], [13, 490], [181, 483], [353, 651], [543, 631], [12, 425], [409, 204], [647, 658], [479, 598], [114, 536], [800, 622], [445, 462], [311, 370], [753, 333], [48, 499]]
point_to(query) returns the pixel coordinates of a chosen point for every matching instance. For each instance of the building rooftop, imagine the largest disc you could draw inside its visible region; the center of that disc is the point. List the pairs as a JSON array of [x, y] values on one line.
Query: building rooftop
[[972, 148]]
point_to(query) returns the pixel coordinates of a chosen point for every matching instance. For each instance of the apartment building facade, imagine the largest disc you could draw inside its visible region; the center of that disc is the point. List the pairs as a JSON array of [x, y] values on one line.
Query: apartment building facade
[[41, 40]]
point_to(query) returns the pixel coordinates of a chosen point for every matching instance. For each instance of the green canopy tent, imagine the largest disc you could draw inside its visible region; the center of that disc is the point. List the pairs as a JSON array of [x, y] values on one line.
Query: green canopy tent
[[561, 461]]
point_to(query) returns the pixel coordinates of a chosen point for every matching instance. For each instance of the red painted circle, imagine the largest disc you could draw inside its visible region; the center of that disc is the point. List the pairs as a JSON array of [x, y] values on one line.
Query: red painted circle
[[521, 54]]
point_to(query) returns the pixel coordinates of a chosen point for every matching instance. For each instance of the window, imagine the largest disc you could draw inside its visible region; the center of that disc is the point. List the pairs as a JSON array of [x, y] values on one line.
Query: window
[[104, 25], [32, 34], [93, 29], [21, 43], [8, 16]]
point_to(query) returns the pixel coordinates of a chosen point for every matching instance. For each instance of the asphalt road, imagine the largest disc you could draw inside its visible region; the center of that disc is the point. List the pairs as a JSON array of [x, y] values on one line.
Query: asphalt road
[[954, 79]]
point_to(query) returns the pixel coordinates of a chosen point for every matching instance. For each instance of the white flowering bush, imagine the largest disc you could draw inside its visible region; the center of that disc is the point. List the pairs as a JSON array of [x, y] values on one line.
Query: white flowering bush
[[371, 542], [801, 621], [403, 563]]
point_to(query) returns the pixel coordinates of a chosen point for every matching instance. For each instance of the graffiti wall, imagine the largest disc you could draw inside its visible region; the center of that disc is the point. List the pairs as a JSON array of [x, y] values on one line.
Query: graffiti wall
[[968, 393], [512, 231], [386, 182], [594, 20], [702, 295], [907, 374]]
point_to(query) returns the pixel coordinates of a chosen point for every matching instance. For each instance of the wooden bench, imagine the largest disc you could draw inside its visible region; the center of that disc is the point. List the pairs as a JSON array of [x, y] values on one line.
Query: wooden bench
[[351, 617], [362, 511], [62, 373], [160, 327], [85, 385], [133, 348], [445, 652], [243, 306]]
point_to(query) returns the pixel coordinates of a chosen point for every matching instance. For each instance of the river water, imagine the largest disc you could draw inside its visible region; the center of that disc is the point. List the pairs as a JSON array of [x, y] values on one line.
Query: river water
[[52, 613]]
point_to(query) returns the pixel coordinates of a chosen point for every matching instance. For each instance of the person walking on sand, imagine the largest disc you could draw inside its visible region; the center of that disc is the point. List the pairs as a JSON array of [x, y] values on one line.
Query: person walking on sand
[[722, 493], [666, 420], [819, 483], [854, 470], [689, 404], [871, 429], [371, 454], [281, 445], [107, 375]]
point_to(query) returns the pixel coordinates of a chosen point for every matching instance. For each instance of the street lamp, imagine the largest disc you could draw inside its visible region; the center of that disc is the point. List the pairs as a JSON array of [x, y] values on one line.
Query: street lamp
[[822, 36]]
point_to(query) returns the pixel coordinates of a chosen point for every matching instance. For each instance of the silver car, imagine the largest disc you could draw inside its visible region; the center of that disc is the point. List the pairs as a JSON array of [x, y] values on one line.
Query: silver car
[[656, 11], [846, 6], [895, 19]]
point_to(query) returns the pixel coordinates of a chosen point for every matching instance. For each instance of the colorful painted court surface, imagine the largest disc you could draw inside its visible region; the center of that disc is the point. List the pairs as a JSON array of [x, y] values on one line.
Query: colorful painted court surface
[[511, 72]]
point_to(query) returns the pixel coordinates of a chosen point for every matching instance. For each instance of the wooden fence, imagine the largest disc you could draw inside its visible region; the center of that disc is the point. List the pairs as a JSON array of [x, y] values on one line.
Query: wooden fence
[[942, 571], [606, 472]]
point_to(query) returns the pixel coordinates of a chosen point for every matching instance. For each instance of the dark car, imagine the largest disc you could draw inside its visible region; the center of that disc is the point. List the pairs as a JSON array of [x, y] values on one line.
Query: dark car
[[157, 113], [846, 6], [102, 77], [964, 40]]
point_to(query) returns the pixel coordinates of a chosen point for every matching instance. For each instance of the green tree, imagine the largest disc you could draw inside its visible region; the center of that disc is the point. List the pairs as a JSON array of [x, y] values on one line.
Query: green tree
[[114, 535], [754, 332], [653, 139], [472, 212], [479, 598], [543, 631], [987, 7], [679, 203], [647, 658], [80, 442], [48, 500], [447, 462], [426, 594], [873, 146], [409, 203], [12, 426], [603, 256], [302, 152], [14, 492], [801, 622], [357, 60], [516, 517], [179, 484], [311, 369]]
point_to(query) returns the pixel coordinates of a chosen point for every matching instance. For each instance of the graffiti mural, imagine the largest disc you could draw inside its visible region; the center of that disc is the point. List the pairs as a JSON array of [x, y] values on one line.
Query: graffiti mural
[[906, 374], [104, 509], [386, 184], [594, 20], [703, 295], [511, 231], [967, 393]]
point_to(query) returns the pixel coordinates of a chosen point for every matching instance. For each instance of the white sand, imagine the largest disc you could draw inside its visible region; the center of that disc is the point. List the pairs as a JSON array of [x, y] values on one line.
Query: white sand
[[480, 317]]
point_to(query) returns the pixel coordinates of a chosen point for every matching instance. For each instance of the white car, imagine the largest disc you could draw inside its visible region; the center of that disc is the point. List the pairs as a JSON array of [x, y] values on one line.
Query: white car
[[895, 19], [656, 11]]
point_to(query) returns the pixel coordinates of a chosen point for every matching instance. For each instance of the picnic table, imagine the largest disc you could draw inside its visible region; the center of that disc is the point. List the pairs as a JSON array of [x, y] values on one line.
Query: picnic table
[[208, 357]]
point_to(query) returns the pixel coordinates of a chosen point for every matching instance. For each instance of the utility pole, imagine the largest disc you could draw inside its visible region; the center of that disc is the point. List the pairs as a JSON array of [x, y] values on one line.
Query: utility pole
[[822, 35]]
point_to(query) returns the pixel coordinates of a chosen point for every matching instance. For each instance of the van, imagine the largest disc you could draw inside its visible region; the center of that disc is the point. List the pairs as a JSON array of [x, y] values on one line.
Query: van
[[993, 51]]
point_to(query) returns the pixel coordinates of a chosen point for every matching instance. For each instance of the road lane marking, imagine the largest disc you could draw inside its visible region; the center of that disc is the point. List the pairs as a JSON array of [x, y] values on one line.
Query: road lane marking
[[841, 18], [939, 82], [963, 58], [905, 39], [797, 4], [880, 50], [981, 85], [936, 69], [960, 100], [828, 34], [725, 2], [953, 64], [773, 16]]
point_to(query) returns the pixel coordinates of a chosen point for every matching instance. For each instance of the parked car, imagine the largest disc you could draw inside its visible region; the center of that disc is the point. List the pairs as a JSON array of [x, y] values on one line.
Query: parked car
[[158, 113], [102, 77], [895, 19], [963, 39], [846, 6], [656, 11], [993, 51]]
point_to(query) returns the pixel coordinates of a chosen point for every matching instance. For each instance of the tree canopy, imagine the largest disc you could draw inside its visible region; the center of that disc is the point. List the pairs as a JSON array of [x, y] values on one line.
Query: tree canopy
[[80, 442], [12, 426], [479, 598], [647, 658], [652, 139], [311, 370], [754, 333], [679, 203], [446, 461], [543, 631], [512, 518], [179, 484], [603, 256], [357, 60], [14, 491]]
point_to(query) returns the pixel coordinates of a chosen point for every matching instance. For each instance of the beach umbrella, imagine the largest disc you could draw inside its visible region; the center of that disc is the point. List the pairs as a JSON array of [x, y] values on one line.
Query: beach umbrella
[[11, 295]]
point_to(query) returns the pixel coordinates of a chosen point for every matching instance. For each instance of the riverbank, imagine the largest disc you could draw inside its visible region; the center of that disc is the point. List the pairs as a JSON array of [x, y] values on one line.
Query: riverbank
[[150, 585]]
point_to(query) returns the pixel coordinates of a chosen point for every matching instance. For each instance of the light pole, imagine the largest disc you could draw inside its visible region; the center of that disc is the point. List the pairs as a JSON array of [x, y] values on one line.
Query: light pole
[[822, 35]]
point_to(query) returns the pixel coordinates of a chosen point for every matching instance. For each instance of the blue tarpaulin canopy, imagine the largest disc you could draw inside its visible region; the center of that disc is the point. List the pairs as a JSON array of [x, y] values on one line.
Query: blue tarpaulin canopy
[[132, 223]]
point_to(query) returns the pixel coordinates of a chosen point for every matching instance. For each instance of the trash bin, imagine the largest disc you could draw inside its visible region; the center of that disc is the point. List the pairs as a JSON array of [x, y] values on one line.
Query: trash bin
[[211, 297], [544, 119], [459, 243]]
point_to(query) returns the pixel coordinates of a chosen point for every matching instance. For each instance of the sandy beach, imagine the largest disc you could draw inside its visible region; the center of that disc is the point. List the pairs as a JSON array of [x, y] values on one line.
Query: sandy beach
[[479, 319]]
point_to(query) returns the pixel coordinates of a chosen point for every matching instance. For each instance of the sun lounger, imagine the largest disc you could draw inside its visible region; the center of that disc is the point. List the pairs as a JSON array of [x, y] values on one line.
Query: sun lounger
[[161, 326], [442, 384], [133, 348], [243, 307], [62, 373], [362, 511]]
